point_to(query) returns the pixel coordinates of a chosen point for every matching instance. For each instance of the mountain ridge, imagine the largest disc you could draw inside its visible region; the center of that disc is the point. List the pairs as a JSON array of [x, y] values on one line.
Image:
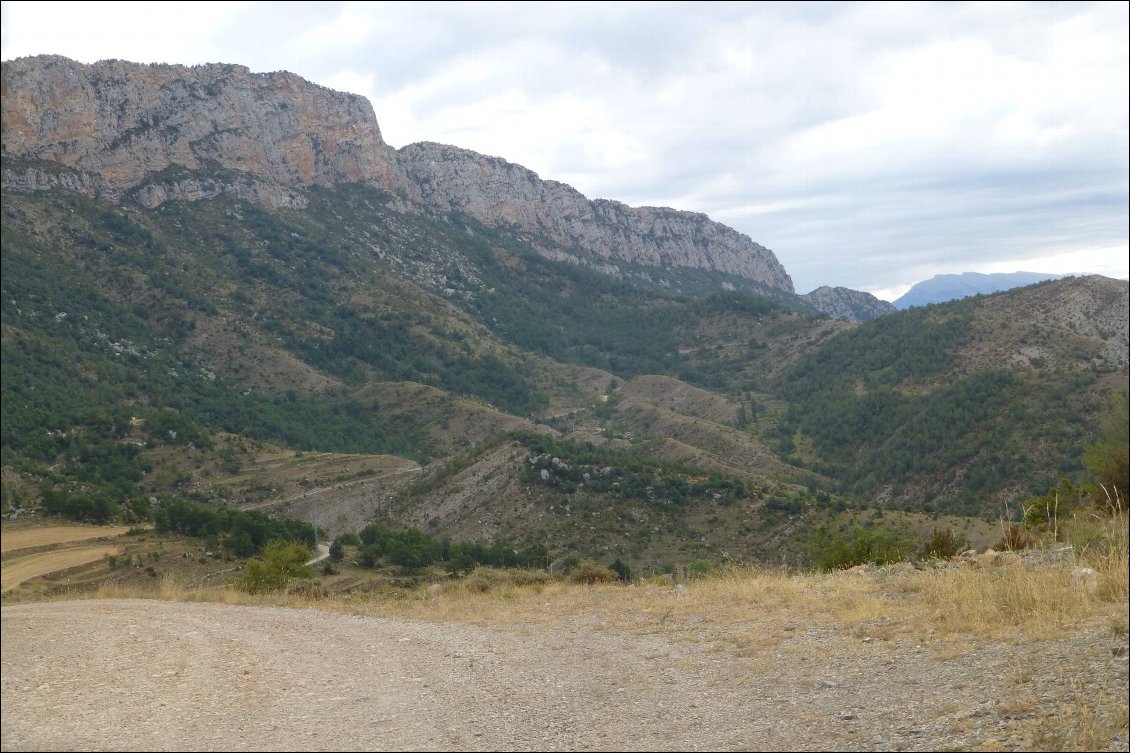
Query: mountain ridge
[[153, 349], [127, 131], [948, 287]]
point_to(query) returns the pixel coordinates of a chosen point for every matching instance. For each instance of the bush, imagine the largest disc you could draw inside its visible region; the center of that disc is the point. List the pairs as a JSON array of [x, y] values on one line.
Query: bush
[[942, 545], [699, 568], [591, 573], [878, 544], [281, 562], [1108, 457], [485, 579], [622, 570], [1016, 538]]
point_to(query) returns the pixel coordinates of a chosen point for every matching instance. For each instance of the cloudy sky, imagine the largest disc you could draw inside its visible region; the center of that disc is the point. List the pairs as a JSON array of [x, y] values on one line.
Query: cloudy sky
[[868, 145]]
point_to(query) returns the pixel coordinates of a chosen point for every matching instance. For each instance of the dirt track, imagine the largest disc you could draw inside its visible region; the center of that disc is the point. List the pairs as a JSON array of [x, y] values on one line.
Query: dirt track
[[149, 675]]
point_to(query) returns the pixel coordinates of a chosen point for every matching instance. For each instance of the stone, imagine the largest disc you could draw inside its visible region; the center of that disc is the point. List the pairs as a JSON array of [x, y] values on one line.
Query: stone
[[847, 304], [1056, 554], [987, 557], [567, 226], [115, 123], [1084, 579]]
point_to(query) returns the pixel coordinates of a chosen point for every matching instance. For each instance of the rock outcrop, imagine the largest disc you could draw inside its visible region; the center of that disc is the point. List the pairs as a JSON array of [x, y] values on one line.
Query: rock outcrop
[[118, 124], [847, 304], [153, 133], [567, 225]]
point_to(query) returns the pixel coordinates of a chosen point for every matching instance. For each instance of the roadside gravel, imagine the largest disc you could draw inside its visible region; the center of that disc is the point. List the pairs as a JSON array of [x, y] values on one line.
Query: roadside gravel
[[152, 675]]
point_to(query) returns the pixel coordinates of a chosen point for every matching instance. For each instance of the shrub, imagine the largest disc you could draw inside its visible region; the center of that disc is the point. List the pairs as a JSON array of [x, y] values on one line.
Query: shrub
[[485, 579], [1108, 457], [942, 545], [622, 570], [1016, 538], [590, 573], [877, 544], [281, 562], [700, 568]]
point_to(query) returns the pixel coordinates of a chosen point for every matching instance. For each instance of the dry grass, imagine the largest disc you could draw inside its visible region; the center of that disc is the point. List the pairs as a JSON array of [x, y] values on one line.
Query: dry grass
[[751, 612], [1087, 721], [1032, 601], [739, 604]]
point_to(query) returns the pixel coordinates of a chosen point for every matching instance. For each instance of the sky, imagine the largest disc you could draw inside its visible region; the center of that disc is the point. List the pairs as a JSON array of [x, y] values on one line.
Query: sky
[[870, 146]]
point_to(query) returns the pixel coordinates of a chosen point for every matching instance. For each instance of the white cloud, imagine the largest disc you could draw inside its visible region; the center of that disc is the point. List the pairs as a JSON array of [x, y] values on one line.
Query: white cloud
[[169, 32], [869, 145]]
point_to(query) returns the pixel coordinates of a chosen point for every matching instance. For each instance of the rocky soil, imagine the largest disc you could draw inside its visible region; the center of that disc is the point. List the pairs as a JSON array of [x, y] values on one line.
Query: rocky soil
[[150, 675]]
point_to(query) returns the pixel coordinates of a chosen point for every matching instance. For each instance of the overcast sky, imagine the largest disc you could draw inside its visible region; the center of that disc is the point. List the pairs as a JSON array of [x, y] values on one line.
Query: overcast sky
[[869, 146]]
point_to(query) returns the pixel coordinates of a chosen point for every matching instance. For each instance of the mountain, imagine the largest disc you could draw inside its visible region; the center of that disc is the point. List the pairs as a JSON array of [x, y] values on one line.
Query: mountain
[[223, 287], [149, 133], [940, 288], [847, 304], [958, 406]]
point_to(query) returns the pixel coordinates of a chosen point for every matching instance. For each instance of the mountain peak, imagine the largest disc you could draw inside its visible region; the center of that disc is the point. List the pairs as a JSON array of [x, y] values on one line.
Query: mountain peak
[[847, 304], [154, 133], [948, 287]]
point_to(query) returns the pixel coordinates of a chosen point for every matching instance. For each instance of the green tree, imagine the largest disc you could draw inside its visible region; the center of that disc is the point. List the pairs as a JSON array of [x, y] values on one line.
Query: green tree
[[1107, 456], [282, 561], [873, 544]]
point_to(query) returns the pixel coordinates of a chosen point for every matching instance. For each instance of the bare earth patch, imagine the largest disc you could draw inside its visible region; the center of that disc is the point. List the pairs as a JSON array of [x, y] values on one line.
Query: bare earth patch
[[154, 675], [16, 570], [12, 539]]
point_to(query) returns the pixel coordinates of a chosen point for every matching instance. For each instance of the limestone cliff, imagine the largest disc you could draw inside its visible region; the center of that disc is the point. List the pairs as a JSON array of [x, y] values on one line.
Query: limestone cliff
[[568, 225], [847, 304], [153, 133], [119, 124]]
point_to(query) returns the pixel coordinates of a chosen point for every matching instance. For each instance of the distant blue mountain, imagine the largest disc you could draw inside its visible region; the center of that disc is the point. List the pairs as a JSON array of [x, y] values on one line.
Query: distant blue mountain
[[941, 288]]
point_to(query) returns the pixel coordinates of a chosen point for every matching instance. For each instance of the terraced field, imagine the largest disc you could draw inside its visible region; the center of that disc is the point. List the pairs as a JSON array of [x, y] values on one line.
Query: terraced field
[[31, 552]]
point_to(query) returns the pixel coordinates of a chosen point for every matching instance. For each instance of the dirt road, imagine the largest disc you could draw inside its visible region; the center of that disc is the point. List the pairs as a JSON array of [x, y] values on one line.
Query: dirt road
[[150, 675]]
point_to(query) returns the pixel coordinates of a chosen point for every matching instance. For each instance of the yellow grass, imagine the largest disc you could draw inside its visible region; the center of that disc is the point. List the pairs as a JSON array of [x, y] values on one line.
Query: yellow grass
[[951, 610], [741, 605]]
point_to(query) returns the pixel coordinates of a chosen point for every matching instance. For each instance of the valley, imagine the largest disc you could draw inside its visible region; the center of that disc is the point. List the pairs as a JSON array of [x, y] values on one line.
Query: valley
[[301, 322]]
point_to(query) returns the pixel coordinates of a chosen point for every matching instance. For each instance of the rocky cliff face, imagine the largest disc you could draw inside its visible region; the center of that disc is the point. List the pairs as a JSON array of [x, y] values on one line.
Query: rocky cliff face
[[847, 304], [120, 125], [567, 225], [153, 133]]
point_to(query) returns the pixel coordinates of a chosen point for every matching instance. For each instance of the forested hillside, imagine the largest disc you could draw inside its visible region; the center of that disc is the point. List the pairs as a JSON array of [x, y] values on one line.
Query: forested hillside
[[269, 316]]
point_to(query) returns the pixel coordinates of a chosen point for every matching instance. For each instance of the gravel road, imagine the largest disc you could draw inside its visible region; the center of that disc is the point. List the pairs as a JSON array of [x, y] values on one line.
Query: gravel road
[[151, 675]]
